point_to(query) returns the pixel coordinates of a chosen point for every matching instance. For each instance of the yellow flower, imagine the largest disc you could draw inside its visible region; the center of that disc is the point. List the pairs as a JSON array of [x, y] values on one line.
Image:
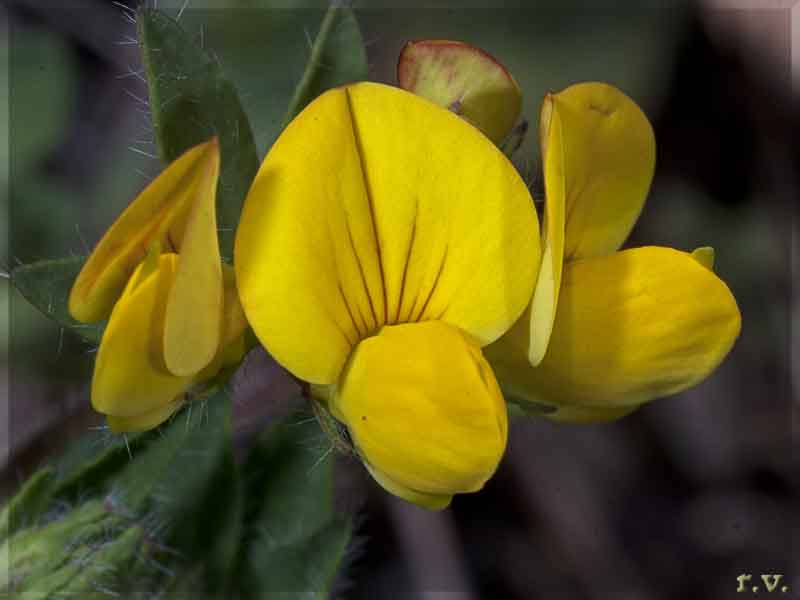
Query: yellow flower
[[607, 331], [383, 243], [174, 319]]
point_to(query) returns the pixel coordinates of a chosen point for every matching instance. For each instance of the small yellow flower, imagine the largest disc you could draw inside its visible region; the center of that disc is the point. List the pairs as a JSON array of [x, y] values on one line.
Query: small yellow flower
[[607, 331], [174, 319], [383, 243]]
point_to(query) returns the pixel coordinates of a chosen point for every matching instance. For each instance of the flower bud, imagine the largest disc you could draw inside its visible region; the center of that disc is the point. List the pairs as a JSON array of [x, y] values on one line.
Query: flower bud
[[464, 79]]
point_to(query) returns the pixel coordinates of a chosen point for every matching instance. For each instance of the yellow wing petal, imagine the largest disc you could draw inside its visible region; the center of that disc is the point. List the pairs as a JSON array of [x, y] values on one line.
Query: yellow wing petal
[[194, 308], [377, 207], [545, 297], [609, 158], [130, 377], [122, 247], [464, 79], [630, 327]]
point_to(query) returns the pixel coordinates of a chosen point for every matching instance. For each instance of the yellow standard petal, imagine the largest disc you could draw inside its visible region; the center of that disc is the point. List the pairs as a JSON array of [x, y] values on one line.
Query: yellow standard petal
[[377, 207], [464, 79], [158, 213], [194, 307], [130, 377], [424, 411], [609, 158], [630, 327], [545, 297]]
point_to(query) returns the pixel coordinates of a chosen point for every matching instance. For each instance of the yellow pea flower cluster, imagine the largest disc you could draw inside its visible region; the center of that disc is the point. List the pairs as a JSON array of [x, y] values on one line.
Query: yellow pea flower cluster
[[391, 256]]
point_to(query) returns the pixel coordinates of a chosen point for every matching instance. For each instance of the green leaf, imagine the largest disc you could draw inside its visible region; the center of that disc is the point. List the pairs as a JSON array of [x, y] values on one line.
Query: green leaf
[[90, 464], [179, 485], [191, 102], [294, 541], [188, 485], [46, 285], [337, 57], [42, 67]]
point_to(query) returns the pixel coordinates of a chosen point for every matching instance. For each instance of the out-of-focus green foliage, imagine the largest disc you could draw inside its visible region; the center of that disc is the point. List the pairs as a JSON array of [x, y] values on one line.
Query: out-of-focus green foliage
[[36, 67], [41, 70]]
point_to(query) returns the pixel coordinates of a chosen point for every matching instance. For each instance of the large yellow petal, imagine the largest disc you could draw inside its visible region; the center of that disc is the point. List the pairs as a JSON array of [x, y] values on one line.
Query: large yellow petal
[[194, 308], [630, 327], [464, 79], [151, 216], [609, 158], [130, 377], [424, 411], [376, 207], [545, 297]]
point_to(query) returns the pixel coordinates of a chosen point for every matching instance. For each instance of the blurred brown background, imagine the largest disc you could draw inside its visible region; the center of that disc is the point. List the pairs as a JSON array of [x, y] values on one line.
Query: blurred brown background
[[674, 501]]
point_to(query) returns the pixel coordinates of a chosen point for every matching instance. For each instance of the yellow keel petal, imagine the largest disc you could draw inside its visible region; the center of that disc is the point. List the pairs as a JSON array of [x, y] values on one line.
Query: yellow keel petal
[[424, 409]]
